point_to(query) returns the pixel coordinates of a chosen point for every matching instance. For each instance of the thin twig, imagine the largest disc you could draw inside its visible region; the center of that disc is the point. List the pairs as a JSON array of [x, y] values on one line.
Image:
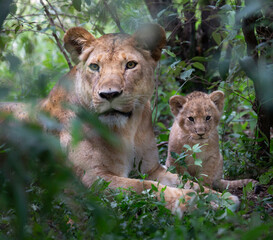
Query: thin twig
[[21, 19], [174, 31], [206, 82], [57, 16], [179, 25], [162, 144], [23, 30], [114, 16], [181, 86], [155, 107], [60, 46], [95, 22], [38, 15]]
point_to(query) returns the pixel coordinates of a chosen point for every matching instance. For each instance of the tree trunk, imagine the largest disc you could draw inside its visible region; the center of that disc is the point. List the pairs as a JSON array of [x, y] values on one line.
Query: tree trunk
[[184, 39], [168, 17], [253, 70]]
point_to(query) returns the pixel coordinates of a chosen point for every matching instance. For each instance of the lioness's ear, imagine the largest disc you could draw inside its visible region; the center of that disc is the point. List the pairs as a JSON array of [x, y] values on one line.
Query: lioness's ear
[[176, 104], [218, 98], [75, 40], [151, 37]]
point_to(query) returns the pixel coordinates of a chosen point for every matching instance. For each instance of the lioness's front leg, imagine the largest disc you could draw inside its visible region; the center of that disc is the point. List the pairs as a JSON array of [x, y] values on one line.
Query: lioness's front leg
[[170, 179], [92, 160], [175, 198]]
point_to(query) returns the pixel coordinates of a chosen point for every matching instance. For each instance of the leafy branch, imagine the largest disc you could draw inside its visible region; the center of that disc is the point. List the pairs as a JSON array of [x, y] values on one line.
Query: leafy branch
[[52, 23], [113, 15], [57, 16]]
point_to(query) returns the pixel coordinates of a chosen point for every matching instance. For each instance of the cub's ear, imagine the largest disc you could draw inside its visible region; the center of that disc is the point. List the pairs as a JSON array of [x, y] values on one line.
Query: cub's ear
[[176, 104], [218, 98], [75, 40], [151, 37]]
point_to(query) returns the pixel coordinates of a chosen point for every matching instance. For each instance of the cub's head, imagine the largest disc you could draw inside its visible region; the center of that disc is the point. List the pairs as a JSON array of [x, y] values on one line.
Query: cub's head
[[115, 73], [198, 113]]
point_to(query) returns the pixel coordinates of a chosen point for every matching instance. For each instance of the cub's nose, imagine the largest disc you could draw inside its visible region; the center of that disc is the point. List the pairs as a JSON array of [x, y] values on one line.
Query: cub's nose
[[200, 134], [110, 95]]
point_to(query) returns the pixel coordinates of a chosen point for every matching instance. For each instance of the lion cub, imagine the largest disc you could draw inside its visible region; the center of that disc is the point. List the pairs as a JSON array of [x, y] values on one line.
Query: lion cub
[[196, 119]]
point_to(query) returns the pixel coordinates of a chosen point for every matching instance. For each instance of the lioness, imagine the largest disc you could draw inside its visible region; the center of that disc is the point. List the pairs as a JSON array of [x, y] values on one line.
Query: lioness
[[114, 78], [196, 119]]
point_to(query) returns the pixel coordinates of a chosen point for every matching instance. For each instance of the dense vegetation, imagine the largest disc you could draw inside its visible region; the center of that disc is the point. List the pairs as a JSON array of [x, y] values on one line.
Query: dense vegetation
[[224, 45]]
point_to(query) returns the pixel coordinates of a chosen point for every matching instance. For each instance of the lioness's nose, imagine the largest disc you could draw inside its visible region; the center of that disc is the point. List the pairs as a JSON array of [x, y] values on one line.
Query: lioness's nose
[[110, 95]]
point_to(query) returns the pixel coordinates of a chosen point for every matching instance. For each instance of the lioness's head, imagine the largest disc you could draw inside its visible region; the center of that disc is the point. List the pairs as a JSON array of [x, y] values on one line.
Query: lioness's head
[[198, 113], [115, 73]]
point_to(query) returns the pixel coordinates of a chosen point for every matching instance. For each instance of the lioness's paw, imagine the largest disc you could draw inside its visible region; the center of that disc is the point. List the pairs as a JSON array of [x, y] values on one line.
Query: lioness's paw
[[236, 201], [179, 200]]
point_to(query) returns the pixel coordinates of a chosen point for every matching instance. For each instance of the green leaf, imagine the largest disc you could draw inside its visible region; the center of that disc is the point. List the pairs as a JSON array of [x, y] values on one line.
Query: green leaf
[[174, 155], [162, 194], [17, 29], [103, 130], [161, 125], [226, 7], [199, 59], [181, 160], [217, 37], [76, 132], [257, 232], [173, 65], [161, 12], [266, 177], [187, 146], [226, 195], [77, 4], [154, 188], [171, 168], [163, 189], [197, 148], [249, 187], [270, 189], [191, 194], [163, 137], [169, 53], [186, 74], [198, 162], [199, 66]]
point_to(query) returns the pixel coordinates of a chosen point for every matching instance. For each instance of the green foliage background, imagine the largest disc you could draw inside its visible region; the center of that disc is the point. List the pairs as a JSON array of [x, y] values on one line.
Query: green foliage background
[[33, 172]]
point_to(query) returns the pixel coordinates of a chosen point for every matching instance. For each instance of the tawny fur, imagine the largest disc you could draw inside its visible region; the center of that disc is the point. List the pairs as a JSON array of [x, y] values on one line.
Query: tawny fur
[[19, 110], [93, 157], [196, 119]]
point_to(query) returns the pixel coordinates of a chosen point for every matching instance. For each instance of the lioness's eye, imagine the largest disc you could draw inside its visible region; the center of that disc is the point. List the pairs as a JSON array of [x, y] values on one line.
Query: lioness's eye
[[131, 64], [191, 119], [208, 118], [94, 67]]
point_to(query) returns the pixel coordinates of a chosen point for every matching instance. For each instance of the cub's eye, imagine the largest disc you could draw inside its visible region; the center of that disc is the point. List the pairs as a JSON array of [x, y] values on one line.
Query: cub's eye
[[131, 65], [208, 118], [94, 67], [191, 119]]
